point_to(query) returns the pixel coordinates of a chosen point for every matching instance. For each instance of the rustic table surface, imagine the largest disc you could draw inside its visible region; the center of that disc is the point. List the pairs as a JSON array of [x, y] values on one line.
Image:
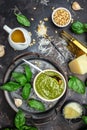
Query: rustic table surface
[[39, 11]]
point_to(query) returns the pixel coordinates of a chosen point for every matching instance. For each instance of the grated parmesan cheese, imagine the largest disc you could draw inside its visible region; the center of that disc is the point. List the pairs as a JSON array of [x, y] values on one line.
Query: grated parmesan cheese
[[41, 30], [44, 2], [72, 110], [43, 45]]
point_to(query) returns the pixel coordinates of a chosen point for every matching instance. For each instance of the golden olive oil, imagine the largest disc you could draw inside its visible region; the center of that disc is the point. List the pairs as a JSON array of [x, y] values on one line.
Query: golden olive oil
[[17, 36]]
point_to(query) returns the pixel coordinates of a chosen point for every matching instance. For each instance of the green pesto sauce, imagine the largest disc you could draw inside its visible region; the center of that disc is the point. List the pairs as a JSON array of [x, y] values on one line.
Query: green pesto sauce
[[49, 87]]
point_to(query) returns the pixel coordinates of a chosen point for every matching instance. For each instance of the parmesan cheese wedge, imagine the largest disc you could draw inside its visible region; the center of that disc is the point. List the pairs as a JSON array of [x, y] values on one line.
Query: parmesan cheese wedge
[[79, 65]]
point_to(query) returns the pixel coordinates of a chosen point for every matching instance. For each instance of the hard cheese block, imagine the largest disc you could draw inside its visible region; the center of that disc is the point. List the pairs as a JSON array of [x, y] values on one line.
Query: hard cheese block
[[79, 65]]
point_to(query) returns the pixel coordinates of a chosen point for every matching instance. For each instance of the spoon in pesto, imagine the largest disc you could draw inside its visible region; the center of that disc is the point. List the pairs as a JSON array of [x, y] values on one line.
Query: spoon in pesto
[[40, 70], [34, 66]]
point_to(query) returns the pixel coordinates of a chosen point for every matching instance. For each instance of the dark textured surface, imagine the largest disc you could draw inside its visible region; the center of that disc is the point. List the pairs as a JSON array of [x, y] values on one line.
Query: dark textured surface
[[43, 10]]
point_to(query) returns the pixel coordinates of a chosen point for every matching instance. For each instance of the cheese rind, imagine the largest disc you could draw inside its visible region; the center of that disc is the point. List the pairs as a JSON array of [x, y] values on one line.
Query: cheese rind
[[79, 65]]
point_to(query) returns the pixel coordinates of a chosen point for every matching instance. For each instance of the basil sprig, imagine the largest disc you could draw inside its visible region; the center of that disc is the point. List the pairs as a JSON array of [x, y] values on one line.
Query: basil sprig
[[19, 119], [19, 77], [20, 123], [20, 80], [22, 19], [76, 84]]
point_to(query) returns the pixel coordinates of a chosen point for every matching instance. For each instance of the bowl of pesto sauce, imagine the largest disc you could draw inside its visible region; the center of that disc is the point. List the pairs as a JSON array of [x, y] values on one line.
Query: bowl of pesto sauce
[[49, 85]]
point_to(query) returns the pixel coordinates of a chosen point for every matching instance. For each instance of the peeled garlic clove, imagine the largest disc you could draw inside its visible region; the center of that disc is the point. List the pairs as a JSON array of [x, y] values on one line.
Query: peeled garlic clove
[[18, 102], [2, 51], [76, 6]]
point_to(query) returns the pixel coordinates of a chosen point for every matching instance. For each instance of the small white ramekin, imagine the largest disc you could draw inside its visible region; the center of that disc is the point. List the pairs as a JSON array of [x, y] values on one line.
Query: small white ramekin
[[57, 9]]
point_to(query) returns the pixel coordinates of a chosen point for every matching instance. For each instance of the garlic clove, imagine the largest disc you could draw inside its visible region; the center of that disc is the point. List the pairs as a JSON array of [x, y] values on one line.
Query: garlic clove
[[2, 51], [18, 102], [76, 6]]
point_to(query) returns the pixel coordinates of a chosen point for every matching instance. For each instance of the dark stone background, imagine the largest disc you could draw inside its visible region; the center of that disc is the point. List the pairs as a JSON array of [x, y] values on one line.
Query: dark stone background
[[43, 9]]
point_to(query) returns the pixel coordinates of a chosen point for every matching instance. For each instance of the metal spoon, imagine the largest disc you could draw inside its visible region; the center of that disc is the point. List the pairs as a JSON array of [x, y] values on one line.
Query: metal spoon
[[37, 68]]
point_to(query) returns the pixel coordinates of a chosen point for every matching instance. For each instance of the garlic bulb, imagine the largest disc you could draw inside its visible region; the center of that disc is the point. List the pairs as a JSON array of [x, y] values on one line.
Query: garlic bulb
[[76, 6], [2, 50]]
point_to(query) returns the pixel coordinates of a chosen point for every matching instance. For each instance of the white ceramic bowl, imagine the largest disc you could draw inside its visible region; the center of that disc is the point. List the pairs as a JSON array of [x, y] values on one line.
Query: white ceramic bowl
[[43, 85], [61, 17]]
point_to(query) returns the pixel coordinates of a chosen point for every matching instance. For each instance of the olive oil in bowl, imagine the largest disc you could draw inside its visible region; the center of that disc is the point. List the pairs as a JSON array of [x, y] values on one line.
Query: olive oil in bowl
[[17, 36]]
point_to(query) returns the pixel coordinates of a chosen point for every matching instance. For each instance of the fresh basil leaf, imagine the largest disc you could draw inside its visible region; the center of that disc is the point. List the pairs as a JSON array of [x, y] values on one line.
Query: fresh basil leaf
[[84, 118], [28, 72], [36, 104], [26, 91], [76, 84], [10, 86], [22, 20], [19, 119], [19, 77], [26, 127]]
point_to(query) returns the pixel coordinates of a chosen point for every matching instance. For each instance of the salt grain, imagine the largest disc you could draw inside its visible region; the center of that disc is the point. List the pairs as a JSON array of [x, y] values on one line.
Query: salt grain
[[56, 31], [32, 19], [34, 8]]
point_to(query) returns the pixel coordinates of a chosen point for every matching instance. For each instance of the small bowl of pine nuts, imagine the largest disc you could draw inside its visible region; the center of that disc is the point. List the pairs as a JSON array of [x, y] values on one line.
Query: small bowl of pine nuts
[[61, 17]]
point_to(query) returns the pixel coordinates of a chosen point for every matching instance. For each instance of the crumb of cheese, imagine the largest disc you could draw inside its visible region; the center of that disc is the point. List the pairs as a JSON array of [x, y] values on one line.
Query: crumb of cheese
[[42, 29]]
